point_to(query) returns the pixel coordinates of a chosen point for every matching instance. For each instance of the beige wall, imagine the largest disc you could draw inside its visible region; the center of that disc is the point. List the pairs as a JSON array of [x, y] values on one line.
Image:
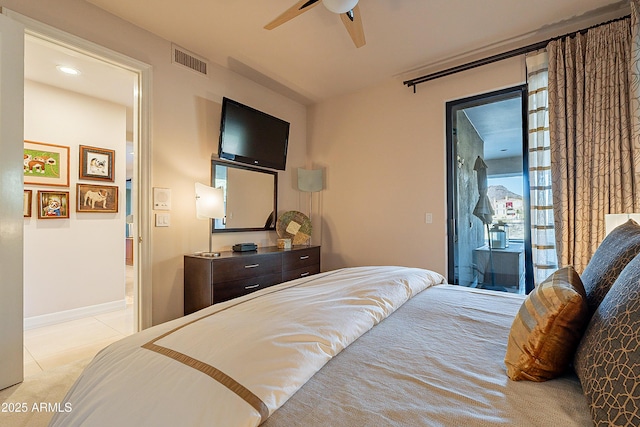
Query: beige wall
[[184, 132], [384, 152], [383, 149], [247, 190]]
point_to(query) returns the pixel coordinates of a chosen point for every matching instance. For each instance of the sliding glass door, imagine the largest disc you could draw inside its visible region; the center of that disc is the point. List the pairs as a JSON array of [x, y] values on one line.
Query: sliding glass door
[[488, 204]]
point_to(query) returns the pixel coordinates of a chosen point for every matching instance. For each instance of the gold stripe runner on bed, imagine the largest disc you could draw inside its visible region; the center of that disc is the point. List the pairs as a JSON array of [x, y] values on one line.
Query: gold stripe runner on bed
[[217, 375], [213, 372]]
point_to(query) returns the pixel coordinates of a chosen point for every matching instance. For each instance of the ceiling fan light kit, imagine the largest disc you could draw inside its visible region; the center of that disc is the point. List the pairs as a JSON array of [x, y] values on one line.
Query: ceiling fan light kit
[[348, 10], [340, 6]]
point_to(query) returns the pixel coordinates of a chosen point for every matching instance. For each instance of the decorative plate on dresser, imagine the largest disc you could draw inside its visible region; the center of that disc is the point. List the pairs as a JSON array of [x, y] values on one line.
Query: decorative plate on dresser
[[294, 225]]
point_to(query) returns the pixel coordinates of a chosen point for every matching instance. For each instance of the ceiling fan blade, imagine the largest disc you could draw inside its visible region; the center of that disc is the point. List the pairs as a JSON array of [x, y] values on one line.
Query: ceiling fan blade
[[352, 21], [295, 10]]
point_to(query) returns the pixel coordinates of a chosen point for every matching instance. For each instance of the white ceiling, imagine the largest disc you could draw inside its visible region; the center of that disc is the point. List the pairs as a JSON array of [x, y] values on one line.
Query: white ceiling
[[499, 124], [97, 78], [312, 58]]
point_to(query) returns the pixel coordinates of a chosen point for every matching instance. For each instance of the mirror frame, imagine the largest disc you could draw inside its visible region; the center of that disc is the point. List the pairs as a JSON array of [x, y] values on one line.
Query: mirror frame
[[219, 162]]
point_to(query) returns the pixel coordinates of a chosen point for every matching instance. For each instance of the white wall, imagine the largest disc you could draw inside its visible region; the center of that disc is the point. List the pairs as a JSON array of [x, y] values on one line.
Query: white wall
[[384, 150], [185, 116], [76, 262]]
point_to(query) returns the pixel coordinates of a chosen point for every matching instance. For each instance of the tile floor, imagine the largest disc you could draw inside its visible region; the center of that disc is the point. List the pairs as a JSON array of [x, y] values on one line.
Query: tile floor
[[56, 345]]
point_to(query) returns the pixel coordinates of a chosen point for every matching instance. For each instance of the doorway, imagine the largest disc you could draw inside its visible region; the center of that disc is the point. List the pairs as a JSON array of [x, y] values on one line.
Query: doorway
[[13, 351], [488, 193], [111, 82], [79, 103]]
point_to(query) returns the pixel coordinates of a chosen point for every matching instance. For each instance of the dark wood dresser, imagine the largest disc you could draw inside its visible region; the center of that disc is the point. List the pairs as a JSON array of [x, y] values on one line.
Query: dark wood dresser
[[210, 280]]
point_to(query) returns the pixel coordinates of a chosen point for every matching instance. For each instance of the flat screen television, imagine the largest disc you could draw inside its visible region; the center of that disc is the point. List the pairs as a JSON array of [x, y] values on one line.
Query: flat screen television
[[252, 137]]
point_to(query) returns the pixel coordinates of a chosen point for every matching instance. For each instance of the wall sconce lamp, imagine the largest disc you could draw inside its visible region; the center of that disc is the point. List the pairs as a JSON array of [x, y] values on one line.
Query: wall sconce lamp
[[209, 205]]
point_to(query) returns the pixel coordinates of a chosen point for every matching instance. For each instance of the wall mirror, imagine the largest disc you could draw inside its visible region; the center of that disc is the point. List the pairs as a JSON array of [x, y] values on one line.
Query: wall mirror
[[250, 197]]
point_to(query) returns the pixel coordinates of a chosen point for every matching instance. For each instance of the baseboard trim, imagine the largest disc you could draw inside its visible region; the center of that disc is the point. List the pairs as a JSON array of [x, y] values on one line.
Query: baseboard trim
[[73, 314]]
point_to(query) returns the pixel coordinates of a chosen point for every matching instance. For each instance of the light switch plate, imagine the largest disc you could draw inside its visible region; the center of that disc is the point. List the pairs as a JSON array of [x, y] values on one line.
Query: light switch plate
[[163, 219]]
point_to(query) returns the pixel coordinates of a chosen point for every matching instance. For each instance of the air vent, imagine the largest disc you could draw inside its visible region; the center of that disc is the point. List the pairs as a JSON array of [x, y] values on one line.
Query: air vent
[[187, 59]]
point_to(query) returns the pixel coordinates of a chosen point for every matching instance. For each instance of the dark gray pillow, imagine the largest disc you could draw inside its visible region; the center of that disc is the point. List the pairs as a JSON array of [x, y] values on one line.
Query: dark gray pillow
[[611, 257], [608, 357]]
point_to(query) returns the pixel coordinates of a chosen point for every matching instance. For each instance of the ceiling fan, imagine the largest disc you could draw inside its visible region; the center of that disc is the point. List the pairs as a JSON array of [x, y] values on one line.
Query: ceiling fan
[[348, 10]]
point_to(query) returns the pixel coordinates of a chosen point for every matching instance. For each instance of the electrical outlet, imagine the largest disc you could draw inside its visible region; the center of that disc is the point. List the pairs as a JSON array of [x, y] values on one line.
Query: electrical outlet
[[428, 218]]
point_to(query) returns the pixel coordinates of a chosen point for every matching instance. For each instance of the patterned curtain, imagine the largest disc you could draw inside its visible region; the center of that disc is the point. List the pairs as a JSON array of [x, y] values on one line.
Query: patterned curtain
[[545, 259], [591, 137], [635, 89]]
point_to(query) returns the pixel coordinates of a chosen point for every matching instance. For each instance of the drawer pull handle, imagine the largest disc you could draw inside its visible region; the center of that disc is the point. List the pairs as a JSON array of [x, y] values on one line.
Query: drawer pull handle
[[305, 274], [252, 286], [252, 266], [304, 257]]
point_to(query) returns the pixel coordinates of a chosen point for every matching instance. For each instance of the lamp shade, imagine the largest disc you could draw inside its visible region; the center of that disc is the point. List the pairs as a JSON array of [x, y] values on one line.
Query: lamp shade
[[209, 202], [309, 180], [340, 6]]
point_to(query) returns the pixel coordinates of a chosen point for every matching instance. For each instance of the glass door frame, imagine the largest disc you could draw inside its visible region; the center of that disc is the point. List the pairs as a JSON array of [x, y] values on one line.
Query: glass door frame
[[452, 226]]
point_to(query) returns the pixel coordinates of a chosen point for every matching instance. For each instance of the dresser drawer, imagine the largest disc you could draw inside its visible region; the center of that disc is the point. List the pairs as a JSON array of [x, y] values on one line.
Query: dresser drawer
[[300, 272], [210, 280], [236, 288], [242, 267], [300, 258]]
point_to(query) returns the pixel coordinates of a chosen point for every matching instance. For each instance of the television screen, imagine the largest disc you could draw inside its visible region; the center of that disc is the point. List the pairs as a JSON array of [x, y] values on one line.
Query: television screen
[[251, 136]]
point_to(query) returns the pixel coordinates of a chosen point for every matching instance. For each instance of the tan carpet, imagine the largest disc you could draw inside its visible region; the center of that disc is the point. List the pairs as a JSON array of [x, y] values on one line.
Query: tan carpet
[[38, 394]]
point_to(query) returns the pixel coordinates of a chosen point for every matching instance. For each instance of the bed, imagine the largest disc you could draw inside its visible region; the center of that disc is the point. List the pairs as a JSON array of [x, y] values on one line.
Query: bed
[[363, 346]]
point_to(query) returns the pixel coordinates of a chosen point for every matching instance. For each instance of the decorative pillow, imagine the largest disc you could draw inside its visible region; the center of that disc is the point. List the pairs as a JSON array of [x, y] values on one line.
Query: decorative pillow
[[608, 358], [547, 329], [611, 257]]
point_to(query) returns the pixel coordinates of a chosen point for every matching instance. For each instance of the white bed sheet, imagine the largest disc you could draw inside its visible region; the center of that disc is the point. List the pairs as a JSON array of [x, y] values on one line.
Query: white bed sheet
[[437, 361], [263, 347]]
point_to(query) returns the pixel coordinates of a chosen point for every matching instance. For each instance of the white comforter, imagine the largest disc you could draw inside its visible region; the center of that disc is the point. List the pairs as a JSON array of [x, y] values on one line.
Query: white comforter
[[438, 361], [235, 363]]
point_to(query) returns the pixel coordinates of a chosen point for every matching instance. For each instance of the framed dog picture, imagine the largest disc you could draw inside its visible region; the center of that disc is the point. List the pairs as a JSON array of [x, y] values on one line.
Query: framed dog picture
[[26, 203], [96, 163], [97, 198], [46, 164], [53, 204]]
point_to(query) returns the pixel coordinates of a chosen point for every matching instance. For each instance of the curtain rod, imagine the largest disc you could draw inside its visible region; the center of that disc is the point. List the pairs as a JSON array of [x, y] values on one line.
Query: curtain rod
[[499, 57]]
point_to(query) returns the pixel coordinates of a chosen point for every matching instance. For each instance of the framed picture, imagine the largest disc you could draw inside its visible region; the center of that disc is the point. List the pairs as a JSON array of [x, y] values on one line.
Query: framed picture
[[26, 203], [97, 198], [53, 204], [96, 163], [46, 164]]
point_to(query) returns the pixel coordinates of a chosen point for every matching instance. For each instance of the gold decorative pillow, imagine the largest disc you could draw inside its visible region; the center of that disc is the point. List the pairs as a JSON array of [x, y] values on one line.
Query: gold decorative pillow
[[547, 329]]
